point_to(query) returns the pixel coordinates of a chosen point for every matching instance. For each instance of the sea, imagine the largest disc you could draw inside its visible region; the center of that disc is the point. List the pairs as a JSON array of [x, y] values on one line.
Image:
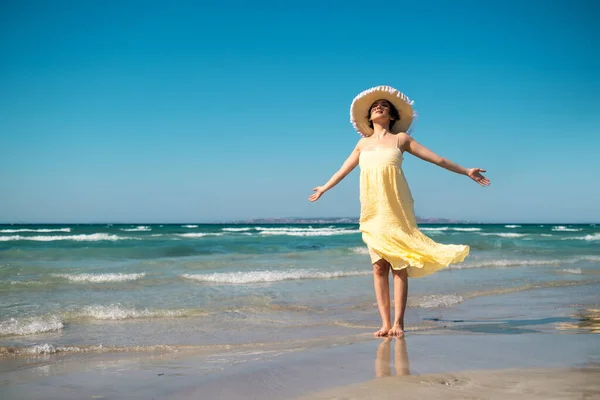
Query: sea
[[103, 288]]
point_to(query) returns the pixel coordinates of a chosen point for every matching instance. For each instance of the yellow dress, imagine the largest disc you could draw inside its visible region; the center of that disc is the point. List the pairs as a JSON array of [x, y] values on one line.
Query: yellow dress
[[387, 219]]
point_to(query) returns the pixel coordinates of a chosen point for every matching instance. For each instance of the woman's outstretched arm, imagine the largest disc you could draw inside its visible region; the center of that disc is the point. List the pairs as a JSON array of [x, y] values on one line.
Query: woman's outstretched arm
[[418, 150], [350, 163]]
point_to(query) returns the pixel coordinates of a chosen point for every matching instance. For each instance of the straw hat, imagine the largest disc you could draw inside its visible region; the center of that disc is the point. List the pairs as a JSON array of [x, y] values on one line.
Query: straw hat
[[361, 106]]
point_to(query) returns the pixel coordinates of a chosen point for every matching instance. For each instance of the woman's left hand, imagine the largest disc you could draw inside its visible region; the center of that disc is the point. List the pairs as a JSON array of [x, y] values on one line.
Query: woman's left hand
[[475, 174]]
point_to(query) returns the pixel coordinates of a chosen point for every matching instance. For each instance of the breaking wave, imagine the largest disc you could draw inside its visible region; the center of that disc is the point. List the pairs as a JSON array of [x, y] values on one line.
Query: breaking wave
[[270, 276], [98, 278]]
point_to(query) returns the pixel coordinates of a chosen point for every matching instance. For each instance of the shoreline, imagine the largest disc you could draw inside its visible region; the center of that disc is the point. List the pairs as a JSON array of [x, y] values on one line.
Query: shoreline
[[343, 366]]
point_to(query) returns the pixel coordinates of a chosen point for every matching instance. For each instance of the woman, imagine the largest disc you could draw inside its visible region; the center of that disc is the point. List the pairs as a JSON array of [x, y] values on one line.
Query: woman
[[382, 115]]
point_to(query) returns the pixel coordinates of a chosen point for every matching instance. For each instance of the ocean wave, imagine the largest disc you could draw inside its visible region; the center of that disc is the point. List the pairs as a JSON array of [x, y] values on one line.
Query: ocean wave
[[35, 230], [189, 226], [446, 228], [576, 271], [562, 228], [100, 278], [47, 348], [435, 300], [360, 250], [21, 283], [504, 234], [236, 229], [589, 258], [140, 228], [117, 312], [512, 226], [198, 234], [593, 237], [502, 263], [270, 276], [30, 326], [306, 231], [94, 237]]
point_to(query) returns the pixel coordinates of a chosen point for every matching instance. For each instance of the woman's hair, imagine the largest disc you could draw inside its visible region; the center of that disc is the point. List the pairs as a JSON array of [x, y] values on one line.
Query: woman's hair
[[394, 114]]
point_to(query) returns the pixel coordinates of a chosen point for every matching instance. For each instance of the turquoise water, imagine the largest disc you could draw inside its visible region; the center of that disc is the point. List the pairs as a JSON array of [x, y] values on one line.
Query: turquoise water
[[129, 286]]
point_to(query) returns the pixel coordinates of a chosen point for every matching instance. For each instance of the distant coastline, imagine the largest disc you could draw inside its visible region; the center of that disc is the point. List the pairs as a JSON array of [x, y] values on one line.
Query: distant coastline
[[349, 220]]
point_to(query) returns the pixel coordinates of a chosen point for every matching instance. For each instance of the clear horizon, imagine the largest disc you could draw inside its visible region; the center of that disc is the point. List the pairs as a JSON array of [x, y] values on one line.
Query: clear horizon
[[224, 222]]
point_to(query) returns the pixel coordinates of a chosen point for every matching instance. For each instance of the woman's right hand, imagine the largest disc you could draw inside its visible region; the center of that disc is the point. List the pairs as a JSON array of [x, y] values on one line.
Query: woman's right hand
[[318, 192], [475, 174]]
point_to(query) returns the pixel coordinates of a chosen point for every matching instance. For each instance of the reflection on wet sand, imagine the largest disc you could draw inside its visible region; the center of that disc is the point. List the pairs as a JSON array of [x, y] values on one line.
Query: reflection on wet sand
[[383, 365]]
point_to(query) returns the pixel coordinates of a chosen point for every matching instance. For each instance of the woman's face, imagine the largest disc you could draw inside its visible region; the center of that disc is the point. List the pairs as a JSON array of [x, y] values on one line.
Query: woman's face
[[380, 109]]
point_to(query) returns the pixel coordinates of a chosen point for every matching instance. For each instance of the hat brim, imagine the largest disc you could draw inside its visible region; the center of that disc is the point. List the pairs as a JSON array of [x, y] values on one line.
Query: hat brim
[[361, 106]]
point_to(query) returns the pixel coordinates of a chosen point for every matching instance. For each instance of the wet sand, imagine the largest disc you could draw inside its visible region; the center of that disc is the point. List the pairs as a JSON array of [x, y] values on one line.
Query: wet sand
[[549, 366], [514, 384]]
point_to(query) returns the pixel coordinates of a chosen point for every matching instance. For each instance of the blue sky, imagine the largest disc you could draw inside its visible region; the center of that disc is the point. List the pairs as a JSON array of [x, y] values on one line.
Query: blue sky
[[203, 112]]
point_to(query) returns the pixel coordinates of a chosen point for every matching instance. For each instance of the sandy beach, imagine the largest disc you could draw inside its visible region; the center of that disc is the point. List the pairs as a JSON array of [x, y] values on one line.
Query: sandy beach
[[504, 384], [532, 366]]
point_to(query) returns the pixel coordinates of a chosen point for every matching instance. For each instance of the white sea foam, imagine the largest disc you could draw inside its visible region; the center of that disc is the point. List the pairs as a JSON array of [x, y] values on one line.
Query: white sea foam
[[503, 234], [35, 230], [30, 326], [593, 237], [270, 276], [236, 229], [572, 270], [22, 283], [589, 258], [47, 348], [117, 312], [436, 300], [561, 228], [306, 231], [94, 237], [503, 263], [512, 226], [189, 226], [99, 278], [360, 250], [198, 234], [446, 228], [140, 228]]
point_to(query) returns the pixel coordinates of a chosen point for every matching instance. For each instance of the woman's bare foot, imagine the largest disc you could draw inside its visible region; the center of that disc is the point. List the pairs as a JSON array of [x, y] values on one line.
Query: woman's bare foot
[[382, 332], [396, 330]]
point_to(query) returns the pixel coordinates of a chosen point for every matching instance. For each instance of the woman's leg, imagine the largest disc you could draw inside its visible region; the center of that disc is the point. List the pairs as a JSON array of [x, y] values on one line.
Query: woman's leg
[[381, 271], [400, 296]]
